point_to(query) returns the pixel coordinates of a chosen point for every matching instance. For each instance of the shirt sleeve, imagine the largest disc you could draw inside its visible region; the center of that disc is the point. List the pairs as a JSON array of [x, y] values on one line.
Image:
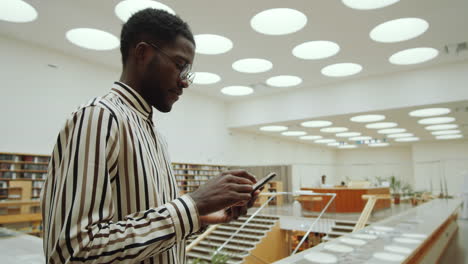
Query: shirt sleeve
[[78, 204]]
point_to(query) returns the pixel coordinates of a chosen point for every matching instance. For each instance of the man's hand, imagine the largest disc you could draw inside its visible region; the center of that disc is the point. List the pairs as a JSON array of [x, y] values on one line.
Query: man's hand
[[230, 189], [227, 215]]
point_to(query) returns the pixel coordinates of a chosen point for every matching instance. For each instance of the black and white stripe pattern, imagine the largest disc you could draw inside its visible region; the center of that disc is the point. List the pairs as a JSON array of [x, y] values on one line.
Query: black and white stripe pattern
[[110, 195]]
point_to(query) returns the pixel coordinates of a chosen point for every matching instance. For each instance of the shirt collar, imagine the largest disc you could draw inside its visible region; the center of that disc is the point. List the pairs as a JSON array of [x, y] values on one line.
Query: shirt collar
[[133, 99]]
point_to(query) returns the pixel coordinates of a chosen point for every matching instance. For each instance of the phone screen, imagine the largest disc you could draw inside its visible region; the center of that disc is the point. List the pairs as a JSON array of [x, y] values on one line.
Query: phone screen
[[263, 181]]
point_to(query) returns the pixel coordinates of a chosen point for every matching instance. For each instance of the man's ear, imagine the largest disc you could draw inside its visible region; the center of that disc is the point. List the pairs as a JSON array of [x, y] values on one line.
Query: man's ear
[[142, 53]]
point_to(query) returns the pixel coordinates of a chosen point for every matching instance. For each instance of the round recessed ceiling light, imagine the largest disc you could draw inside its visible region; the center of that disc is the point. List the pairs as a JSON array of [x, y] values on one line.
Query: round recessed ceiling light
[[252, 65], [210, 44], [442, 127], [310, 137], [206, 78], [348, 134], [274, 128], [382, 144], [360, 138], [325, 141], [237, 90], [278, 21], [407, 139], [284, 81], [400, 135], [413, 56], [334, 144], [125, 9], [315, 50], [399, 30], [367, 118], [333, 129], [368, 4], [341, 69], [449, 136], [347, 146], [293, 133], [90, 38], [391, 131], [316, 123], [17, 11], [436, 120], [381, 125], [430, 112], [445, 132]]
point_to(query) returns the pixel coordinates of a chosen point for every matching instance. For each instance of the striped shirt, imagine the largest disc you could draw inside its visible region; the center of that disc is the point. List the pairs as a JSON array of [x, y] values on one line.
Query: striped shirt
[[110, 195]]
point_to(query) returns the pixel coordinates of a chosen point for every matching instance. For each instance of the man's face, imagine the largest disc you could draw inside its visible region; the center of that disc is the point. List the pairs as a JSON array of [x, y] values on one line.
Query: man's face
[[161, 83]]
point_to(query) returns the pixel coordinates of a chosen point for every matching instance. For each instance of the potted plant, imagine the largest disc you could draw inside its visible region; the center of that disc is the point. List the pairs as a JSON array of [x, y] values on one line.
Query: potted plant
[[395, 186]]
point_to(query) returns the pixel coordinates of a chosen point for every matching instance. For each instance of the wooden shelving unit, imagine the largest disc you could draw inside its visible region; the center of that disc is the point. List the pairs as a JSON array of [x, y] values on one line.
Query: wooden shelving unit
[[22, 167], [271, 187], [190, 176]]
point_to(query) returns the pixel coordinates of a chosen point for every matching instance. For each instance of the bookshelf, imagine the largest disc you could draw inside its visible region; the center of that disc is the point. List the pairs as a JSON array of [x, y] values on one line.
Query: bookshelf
[[22, 167], [190, 176]]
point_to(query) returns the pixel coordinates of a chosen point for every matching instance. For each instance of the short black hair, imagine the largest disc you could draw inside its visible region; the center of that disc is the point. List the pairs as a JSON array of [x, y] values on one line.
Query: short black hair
[[156, 24]]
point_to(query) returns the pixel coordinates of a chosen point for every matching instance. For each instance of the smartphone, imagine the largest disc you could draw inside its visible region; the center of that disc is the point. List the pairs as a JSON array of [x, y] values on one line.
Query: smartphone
[[263, 181]]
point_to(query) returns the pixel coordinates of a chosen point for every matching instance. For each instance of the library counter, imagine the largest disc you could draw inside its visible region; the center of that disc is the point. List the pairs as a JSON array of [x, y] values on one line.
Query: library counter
[[348, 200]]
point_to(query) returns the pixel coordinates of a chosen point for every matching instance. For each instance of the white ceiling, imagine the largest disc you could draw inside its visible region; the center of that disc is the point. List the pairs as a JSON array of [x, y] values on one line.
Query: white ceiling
[[459, 110], [327, 20]]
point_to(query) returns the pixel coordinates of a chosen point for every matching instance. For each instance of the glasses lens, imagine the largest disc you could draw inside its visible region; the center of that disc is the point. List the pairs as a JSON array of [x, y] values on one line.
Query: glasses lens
[[190, 77]]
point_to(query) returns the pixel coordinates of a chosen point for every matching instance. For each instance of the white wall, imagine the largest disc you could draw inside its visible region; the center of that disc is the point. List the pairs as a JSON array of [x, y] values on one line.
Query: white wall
[[438, 160], [366, 164], [36, 99]]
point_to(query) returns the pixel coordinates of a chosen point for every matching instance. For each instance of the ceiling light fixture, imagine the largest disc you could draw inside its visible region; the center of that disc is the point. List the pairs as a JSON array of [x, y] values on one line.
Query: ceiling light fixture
[[367, 118], [381, 125], [210, 44], [125, 9], [334, 144], [362, 138], [368, 4], [341, 69], [273, 128], [325, 141], [400, 135], [316, 50], [442, 127], [293, 133], [445, 132], [278, 21], [94, 39], [206, 78], [17, 11], [413, 56], [237, 90], [436, 120], [284, 81], [407, 139], [347, 146], [311, 137], [399, 30], [444, 137], [391, 131], [316, 123], [382, 144], [333, 129], [252, 65], [430, 112]]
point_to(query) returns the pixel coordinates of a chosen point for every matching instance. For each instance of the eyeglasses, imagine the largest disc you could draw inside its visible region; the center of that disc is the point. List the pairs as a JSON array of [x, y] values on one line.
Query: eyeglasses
[[186, 73]]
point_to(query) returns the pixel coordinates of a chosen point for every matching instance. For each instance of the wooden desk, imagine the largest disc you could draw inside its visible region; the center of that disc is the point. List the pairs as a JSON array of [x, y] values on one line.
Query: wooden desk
[[347, 200]]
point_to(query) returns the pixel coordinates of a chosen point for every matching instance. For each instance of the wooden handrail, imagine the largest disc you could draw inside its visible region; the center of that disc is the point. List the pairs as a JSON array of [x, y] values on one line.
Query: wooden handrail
[[200, 238]]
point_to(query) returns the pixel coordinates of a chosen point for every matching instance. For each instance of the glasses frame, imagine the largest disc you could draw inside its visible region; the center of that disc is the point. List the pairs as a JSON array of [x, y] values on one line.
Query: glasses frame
[[185, 70]]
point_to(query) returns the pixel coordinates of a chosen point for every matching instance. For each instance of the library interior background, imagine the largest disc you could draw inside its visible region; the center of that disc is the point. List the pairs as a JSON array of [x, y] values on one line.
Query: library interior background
[[359, 106]]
